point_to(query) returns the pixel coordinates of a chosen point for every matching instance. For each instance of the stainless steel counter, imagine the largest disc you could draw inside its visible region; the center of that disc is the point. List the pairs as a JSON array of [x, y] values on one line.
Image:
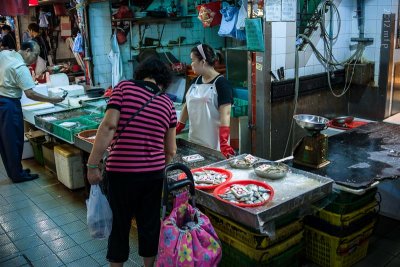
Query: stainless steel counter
[[29, 116], [295, 191]]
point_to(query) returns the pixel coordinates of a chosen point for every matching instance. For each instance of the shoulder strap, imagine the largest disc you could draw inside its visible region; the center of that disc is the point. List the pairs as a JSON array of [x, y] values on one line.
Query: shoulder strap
[[216, 79], [197, 79], [131, 118]]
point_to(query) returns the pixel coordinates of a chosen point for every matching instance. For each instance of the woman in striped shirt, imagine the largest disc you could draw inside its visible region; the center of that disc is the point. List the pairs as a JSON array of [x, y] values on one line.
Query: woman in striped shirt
[[137, 160]]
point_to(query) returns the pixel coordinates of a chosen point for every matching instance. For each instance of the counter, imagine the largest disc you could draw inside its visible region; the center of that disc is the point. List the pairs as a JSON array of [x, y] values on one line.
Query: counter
[[294, 192], [362, 156]]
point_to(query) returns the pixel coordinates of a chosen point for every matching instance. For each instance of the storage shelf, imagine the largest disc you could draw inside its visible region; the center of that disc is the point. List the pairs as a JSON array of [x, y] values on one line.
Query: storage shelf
[[164, 46], [153, 20]]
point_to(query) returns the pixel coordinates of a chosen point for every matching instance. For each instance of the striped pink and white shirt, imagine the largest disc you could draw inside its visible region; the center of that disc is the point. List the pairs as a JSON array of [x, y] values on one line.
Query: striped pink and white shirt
[[140, 148]]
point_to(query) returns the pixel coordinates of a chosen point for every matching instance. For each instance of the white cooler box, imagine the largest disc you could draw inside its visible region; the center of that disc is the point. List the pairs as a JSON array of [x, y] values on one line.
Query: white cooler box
[[69, 166]]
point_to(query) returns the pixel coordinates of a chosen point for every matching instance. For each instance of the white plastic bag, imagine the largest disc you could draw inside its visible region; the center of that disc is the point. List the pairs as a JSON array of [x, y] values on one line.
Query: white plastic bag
[[242, 16], [99, 214]]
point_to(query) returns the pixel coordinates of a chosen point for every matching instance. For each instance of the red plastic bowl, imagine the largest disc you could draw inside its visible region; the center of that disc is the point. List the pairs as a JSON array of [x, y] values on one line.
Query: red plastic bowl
[[223, 188], [207, 187]]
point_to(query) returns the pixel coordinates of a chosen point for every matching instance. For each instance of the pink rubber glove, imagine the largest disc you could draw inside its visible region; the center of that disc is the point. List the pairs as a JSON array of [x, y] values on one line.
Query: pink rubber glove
[[179, 127], [225, 148]]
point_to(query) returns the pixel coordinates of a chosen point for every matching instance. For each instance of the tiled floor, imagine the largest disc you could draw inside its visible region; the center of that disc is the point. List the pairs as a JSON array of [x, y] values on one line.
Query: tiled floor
[[43, 223], [384, 245]]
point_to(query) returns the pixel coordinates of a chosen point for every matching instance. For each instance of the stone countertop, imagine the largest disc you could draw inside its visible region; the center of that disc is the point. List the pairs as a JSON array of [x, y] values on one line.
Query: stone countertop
[[362, 156]]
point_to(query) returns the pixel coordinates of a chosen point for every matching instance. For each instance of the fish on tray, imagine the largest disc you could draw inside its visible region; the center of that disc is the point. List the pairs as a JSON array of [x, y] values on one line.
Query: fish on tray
[[243, 163], [246, 194], [208, 177]]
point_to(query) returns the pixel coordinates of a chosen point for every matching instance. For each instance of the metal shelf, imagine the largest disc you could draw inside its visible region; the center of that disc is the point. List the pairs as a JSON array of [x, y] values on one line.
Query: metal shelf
[[163, 46], [153, 20]]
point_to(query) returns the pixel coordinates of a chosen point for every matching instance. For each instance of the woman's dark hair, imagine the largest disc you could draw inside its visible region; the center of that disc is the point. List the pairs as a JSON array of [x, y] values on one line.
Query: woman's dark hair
[[154, 68], [6, 28], [208, 52], [33, 27]]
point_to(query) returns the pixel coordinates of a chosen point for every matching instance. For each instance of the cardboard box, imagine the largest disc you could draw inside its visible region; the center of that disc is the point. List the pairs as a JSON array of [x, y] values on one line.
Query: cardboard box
[[35, 134], [28, 127]]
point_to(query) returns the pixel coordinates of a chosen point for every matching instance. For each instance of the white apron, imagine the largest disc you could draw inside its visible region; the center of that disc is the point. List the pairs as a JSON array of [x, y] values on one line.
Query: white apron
[[202, 106]]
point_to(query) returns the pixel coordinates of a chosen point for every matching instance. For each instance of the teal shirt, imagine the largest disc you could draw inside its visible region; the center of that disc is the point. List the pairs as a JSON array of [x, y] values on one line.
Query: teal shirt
[[14, 75]]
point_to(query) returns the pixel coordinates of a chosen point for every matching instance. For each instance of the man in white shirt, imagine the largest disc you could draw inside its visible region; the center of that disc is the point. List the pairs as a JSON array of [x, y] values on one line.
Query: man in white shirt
[[15, 78]]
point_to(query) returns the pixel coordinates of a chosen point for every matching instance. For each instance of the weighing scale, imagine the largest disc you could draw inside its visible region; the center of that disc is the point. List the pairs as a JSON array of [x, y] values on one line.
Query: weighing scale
[[312, 150]]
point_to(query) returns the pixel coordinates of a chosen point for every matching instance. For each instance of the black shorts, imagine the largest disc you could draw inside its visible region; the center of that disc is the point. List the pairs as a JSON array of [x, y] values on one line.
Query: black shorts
[[132, 195]]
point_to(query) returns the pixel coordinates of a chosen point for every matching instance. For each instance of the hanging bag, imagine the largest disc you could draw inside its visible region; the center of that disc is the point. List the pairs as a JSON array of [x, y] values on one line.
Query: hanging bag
[[187, 237], [242, 16], [99, 214], [209, 14]]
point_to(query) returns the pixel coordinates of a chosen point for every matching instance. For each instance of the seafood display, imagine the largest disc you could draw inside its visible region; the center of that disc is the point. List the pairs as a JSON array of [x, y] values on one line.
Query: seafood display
[[208, 178], [48, 118], [243, 163], [193, 158], [271, 170], [245, 193], [69, 124]]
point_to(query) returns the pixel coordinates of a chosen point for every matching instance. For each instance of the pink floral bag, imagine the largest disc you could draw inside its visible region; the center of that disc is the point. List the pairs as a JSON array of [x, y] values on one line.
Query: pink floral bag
[[187, 237]]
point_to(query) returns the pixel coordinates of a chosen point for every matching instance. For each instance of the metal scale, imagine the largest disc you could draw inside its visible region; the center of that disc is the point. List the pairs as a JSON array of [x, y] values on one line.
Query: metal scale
[[312, 149]]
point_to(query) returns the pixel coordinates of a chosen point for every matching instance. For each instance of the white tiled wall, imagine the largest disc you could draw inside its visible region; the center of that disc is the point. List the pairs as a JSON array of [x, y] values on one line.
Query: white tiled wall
[[100, 23], [284, 33], [100, 34], [174, 30]]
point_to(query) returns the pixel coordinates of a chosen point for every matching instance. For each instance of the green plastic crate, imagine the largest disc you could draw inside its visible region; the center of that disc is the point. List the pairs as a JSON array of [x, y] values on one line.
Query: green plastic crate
[[343, 202], [95, 118], [69, 133], [345, 197], [342, 207], [37, 148], [239, 107], [46, 121]]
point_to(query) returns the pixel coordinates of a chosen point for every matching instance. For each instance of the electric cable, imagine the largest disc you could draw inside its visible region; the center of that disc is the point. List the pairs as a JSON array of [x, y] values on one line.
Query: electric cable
[[296, 95], [328, 60]]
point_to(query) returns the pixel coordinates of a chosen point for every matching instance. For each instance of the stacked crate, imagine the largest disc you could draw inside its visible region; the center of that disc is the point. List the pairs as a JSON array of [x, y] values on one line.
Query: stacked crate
[[338, 234], [244, 247], [37, 138]]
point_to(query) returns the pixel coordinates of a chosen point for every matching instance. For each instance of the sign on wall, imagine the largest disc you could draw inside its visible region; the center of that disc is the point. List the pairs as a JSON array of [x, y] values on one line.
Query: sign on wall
[[254, 35], [280, 10]]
